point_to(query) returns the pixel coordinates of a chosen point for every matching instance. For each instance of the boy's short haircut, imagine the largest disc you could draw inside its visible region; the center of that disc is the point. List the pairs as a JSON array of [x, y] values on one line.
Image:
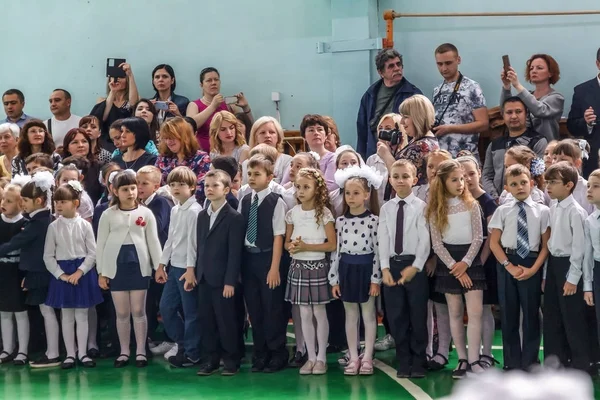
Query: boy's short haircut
[[266, 150], [219, 175], [43, 159], [516, 170], [595, 174], [182, 175], [405, 163], [261, 161], [563, 171], [227, 164], [153, 172]]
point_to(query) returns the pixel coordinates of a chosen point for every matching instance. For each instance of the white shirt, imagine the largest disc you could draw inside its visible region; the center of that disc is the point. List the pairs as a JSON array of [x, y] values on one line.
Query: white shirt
[[278, 214], [356, 235], [592, 249], [580, 196], [149, 199], [184, 219], [69, 239], [505, 219], [378, 164], [536, 195], [289, 197], [214, 214], [568, 237], [115, 226], [60, 128], [305, 225], [274, 186], [415, 237], [281, 165]]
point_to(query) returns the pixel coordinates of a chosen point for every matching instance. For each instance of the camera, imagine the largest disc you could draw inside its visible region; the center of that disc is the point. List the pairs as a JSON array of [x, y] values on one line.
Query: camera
[[393, 136]]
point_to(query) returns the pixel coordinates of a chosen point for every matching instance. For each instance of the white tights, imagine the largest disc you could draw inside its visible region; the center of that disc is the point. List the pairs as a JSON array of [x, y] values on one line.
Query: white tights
[[52, 331], [6, 322], [131, 304], [352, 321], [318, 312], [474, 300], [68, 318]]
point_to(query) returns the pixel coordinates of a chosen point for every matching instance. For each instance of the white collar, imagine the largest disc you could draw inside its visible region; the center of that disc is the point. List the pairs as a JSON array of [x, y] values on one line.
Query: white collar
[[37, 212], [566, 202], [262, 194], [408, 199], [188, 203], [12, 220], [149, 199], [529, 201], [210, 211]]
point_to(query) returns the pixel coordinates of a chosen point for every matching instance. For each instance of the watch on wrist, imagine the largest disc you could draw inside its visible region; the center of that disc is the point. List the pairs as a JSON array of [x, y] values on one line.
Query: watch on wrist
[[505, 263]]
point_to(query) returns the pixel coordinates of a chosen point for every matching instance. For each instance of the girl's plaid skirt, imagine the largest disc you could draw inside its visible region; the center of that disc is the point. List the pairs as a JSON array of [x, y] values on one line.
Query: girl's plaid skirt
[[308, 283]]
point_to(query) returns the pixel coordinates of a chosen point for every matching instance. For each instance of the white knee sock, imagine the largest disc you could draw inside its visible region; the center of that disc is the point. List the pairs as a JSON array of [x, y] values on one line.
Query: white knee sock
[[488, 329], [68, 328], [92, 328], [52, 330], [81, 317], [22, 333], [297, 319], [322, 331], [308, 330], [8, 331], [370, 320], [352, 319]]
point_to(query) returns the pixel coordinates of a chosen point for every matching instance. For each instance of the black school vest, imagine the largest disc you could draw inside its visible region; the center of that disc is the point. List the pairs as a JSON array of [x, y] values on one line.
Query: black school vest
[[264, 223]]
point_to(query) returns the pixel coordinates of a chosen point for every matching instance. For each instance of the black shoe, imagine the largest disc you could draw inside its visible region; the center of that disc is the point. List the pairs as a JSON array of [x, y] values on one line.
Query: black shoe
[[69, 363], [6, 358], [208, 369], [230, 371], [487, 362], [93, 353], [417, 373], [298, 360], [21, 362], [276, 365], [259, 365], [433, 365], [403, 373], [461, 369], [87, 362], [141, 363], [45, 362], [181, 361], [121, 363]]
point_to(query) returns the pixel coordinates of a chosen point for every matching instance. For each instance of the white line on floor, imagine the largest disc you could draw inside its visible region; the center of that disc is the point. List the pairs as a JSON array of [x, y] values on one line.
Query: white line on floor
[[414, 390]]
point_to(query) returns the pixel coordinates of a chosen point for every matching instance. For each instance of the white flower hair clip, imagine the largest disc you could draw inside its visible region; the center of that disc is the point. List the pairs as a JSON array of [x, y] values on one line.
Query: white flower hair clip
[[315, 155], [44, 180], [537, 167], [21, 180], [583, 144], [111, 176], [75, 185], [373, 178]]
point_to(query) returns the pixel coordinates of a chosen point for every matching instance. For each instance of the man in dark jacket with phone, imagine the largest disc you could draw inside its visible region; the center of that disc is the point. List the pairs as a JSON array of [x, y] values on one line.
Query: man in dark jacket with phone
[[383, 97]]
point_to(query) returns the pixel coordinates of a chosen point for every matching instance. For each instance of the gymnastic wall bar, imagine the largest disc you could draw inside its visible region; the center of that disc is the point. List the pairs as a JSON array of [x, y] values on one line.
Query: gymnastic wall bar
[[390, 15]]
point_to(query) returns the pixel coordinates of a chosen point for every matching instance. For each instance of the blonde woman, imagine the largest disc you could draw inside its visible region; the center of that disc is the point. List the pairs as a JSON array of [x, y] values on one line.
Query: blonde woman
[[418, 116], [267, 130], [227, 138]]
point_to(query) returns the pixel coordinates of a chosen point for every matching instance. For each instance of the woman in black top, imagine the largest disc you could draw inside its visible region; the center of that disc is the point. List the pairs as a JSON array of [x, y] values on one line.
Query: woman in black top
[[164, 83], [122, 94], [34, 138], [135, 135], [78, 143]]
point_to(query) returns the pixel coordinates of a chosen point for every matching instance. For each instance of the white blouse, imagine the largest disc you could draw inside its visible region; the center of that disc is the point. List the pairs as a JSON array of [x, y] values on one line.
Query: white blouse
[[305, 226], [464, 227], [356, 235], [69, 239]]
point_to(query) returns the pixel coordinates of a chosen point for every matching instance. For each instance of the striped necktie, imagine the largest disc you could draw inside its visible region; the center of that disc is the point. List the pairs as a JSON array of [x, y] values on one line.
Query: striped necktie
[[522, 233], [252, 231]]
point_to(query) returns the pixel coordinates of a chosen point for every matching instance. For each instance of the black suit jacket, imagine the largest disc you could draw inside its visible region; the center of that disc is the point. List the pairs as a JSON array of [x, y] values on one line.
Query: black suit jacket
[[586, 95], [220, 248]]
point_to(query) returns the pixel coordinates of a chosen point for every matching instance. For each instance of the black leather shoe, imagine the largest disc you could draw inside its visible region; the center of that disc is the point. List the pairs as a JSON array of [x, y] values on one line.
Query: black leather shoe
[[298, 360], [275, 365], [121, 363], [208, 369], [93, 353], [259, 365], [141, 363], [230, 371], [417, 373], [68, 363], [87, 362], [461, 369]]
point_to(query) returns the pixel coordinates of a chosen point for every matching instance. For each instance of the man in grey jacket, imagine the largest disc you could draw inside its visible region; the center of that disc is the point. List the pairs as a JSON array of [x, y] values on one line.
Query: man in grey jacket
[[517, 133]]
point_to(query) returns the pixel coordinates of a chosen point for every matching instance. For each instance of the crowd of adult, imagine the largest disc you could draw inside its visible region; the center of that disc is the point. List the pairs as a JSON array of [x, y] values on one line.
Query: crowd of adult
[[133, 132]]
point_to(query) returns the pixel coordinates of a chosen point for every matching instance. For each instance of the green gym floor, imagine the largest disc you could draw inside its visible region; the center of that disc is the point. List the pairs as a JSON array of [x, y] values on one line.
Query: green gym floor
[[160, 381]]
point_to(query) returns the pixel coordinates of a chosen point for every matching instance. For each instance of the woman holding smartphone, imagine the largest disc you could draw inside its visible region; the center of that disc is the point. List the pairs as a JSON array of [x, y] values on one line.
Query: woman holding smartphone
[[211, 102], [167, 103]]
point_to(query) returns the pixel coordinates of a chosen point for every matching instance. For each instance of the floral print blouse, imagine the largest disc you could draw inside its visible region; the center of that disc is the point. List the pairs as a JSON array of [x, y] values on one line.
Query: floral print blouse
[[199, 163], [417, 152]]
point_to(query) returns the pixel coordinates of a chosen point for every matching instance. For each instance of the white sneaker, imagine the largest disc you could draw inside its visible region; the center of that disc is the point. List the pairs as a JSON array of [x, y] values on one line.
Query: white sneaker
[[172, 352], [385, 343], [162, 348]]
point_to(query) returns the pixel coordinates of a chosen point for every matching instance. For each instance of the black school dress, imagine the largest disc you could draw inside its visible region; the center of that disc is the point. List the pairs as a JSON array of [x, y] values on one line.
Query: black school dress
[[12, 298], [488, 207]]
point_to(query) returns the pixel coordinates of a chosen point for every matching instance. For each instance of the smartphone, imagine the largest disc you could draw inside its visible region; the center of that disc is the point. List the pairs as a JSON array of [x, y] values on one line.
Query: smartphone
[[161, 105], [506, 62], [231, 100], [112, 68]]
